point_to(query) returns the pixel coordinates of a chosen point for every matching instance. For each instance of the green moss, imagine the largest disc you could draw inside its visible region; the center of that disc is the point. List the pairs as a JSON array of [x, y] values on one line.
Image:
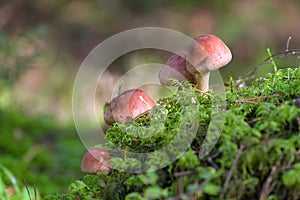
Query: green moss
[[257, 153]]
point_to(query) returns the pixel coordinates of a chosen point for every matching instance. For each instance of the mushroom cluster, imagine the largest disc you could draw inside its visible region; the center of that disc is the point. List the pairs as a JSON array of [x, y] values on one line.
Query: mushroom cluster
[[206, 53]]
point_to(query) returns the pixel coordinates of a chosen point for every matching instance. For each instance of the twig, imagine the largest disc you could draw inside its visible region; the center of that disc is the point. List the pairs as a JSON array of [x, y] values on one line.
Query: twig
[[210, 160], [250, 100], [184, 173], [215, 155], [230, 173], [273, 57], [202, 92], [255, 120], [268, 185], [288, 43], [180, 187], [268, 60], [168, 102]]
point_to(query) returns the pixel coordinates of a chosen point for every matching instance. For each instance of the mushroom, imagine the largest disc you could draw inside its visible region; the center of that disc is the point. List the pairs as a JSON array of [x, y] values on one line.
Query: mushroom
[[207, 53], [175, 68], [127, 106], [95, 161]]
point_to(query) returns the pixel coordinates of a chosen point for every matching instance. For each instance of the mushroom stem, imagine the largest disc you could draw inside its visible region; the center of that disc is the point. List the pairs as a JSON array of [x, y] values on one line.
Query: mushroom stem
[[203, 81]]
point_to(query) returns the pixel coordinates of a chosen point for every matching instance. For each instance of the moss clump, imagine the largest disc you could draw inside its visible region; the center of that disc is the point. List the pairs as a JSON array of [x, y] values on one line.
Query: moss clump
[[256, 157]]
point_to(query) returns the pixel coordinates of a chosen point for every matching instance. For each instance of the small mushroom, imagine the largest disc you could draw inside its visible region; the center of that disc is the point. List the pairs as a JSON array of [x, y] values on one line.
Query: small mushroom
[[207, 53], [175, 68], [95, 161], [127, 106]]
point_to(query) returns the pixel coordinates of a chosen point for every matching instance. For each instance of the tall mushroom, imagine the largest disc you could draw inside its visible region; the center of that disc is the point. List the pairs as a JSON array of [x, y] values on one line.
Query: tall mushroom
[[175, 68], [128, 105], [95, 161], [207, 53]]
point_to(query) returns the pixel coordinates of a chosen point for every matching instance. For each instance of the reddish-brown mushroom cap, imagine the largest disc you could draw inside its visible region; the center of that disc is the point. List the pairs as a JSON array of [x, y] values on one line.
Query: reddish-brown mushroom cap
[[128, 105], [207, 53], [95, 161], [175, 68]]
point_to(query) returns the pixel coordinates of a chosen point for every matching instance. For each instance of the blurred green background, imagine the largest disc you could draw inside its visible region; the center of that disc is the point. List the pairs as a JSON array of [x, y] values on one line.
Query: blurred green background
[[42, 44]]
